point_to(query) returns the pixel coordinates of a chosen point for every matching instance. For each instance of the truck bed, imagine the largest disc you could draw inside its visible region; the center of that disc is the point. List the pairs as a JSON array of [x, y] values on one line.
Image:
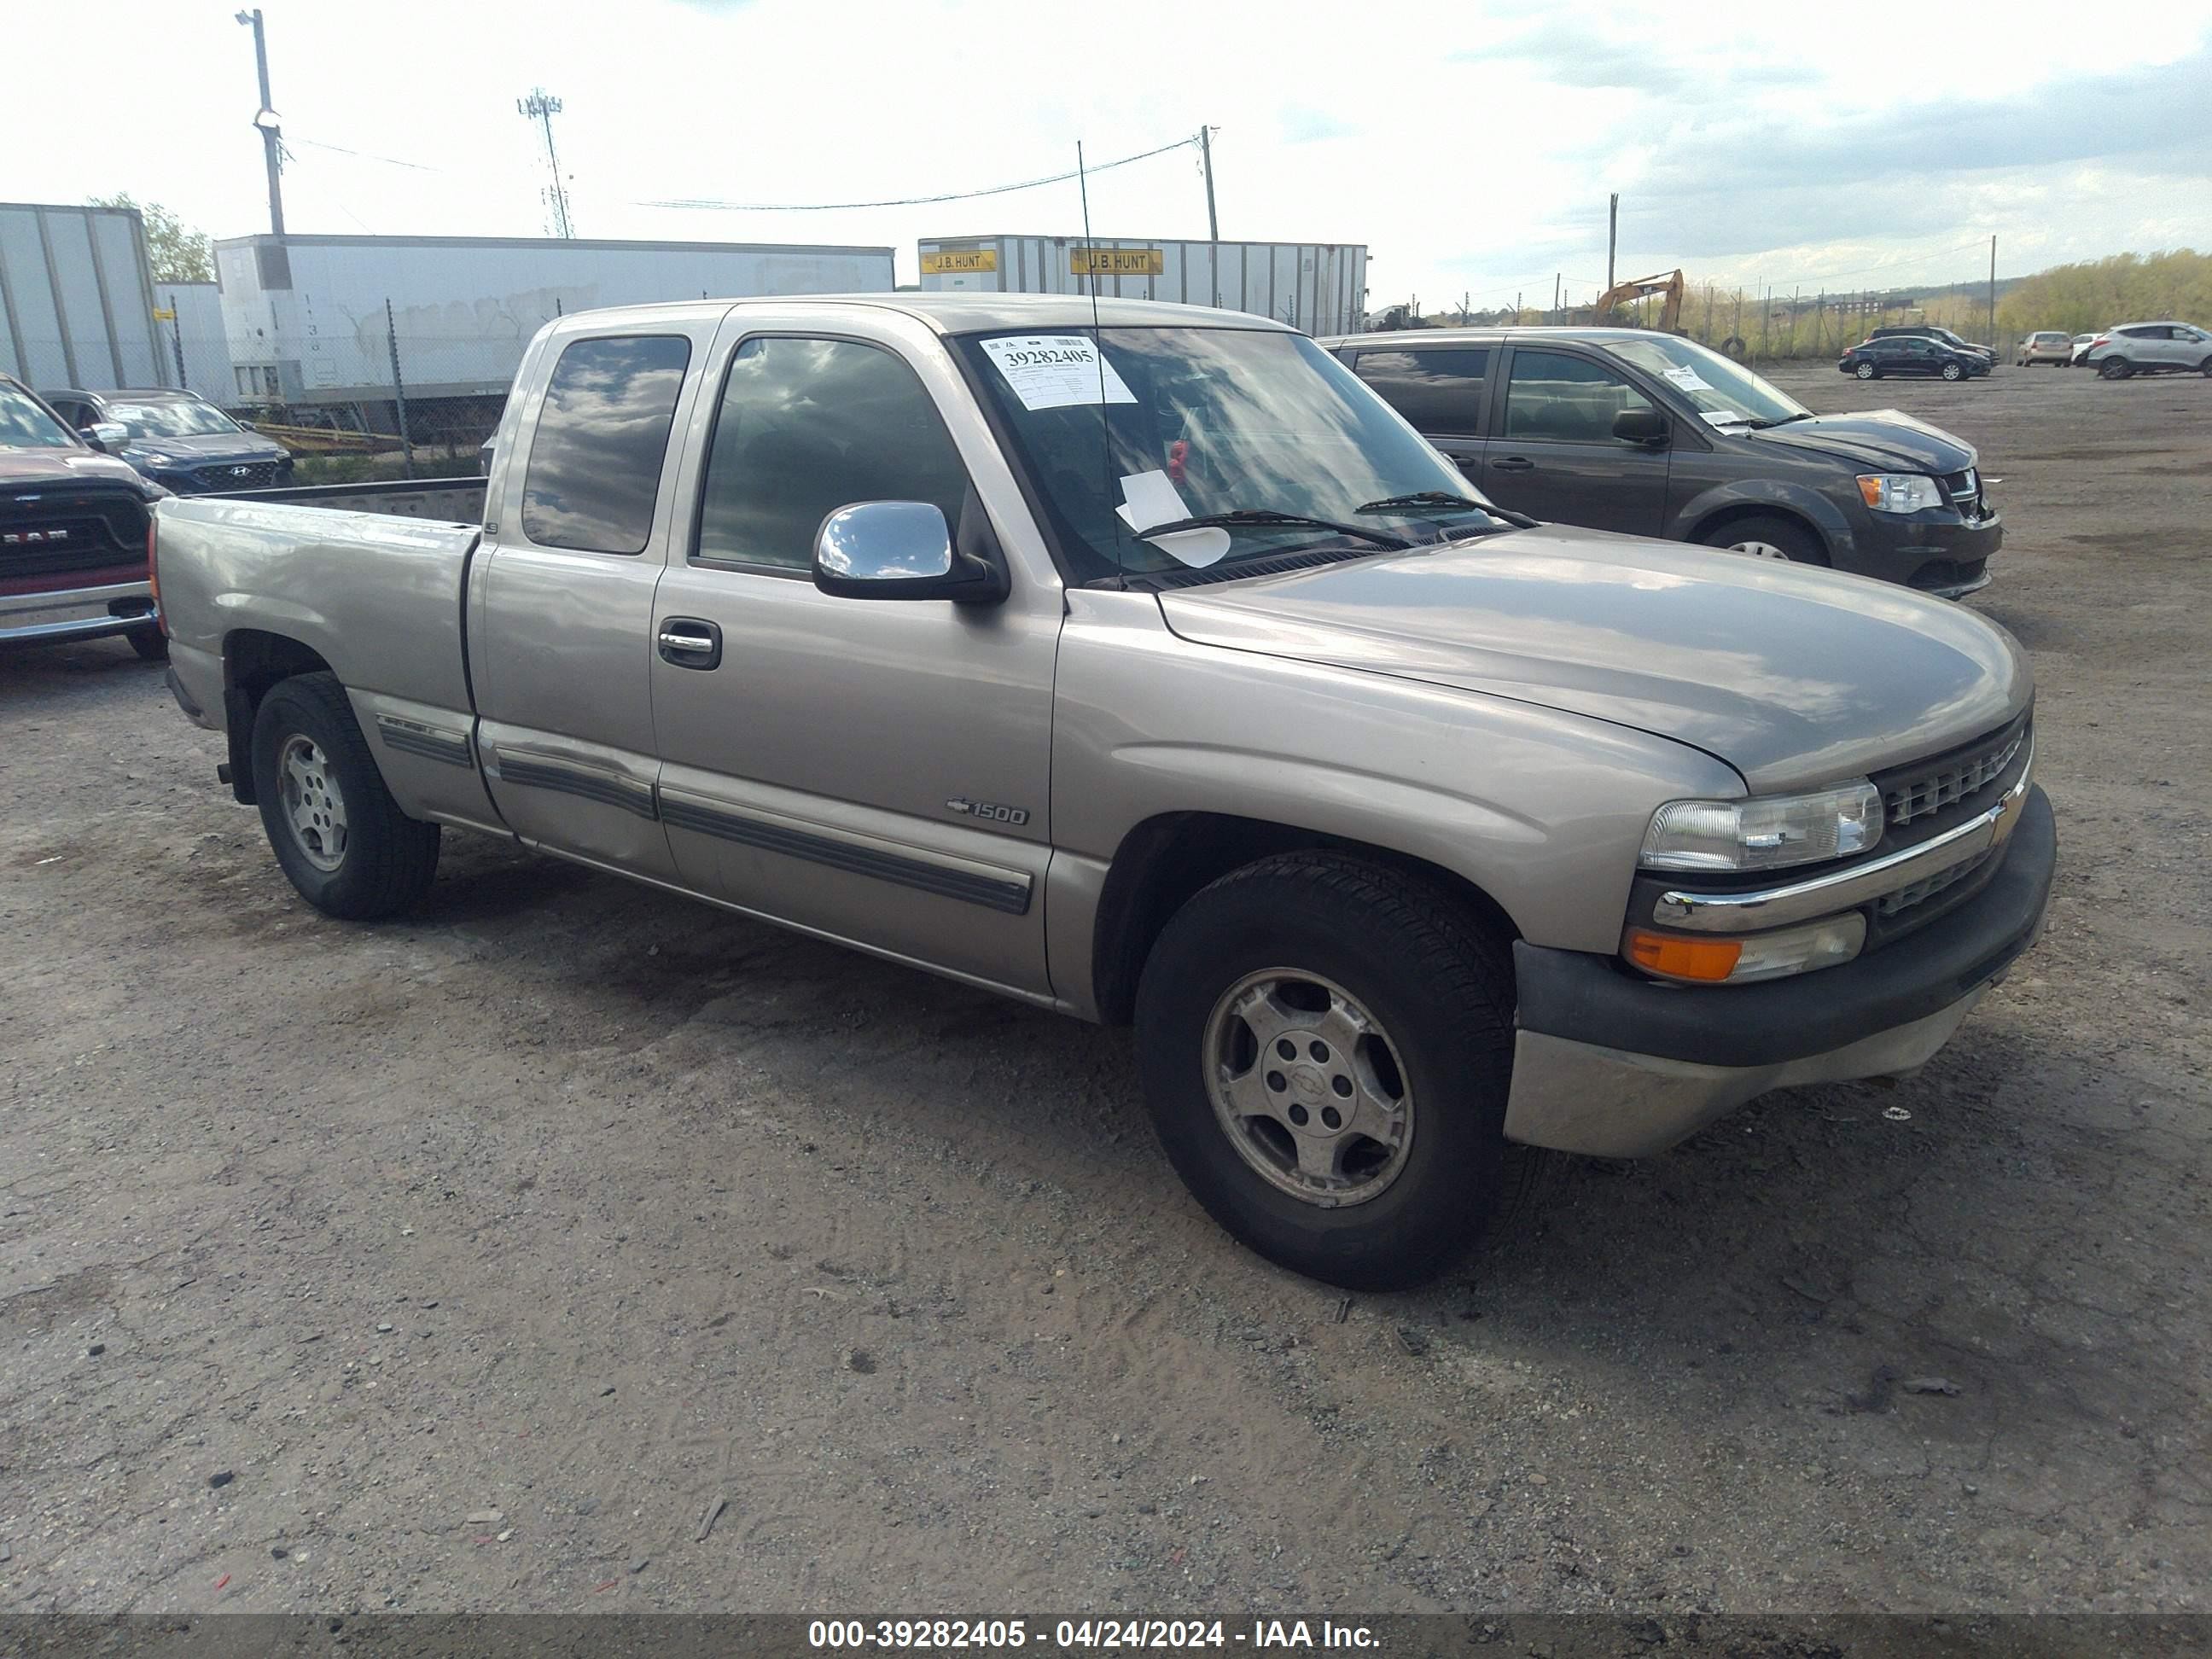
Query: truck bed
[[370, 577]]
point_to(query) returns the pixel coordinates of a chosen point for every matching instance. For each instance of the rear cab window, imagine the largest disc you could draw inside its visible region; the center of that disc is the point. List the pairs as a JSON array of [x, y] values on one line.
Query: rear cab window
[[602, 435]]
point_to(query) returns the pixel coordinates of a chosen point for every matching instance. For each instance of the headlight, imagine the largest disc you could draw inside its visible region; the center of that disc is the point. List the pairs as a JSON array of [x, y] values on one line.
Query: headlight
[[1898, 492], [1765, 832], [154, 457]]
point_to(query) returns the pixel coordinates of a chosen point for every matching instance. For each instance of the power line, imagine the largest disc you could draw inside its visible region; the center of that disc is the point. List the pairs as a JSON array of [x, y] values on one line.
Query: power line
[[362, 155], [715, 205]]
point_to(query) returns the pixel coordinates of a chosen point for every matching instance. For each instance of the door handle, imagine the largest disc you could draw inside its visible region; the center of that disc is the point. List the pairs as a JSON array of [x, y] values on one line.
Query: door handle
[[691, 642], [1515, 464]]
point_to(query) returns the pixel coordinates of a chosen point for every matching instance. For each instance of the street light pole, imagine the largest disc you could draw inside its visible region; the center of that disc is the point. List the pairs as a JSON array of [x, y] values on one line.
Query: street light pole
[[264, 119]]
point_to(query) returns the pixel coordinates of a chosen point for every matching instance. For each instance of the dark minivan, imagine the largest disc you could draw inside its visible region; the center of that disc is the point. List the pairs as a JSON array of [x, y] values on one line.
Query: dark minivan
[[1653, 435]]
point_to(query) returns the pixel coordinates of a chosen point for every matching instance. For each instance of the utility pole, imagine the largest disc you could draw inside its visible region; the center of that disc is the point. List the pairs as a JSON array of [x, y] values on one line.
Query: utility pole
[[1993, 292], [1612, 237], [1205, 158], [264, 119], [542, 106], [1213, 224]]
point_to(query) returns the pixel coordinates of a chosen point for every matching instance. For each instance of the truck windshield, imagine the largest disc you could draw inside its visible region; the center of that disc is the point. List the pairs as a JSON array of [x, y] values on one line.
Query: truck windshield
[[1726, 394], [172, 417], [24, 425], [1184, 423]]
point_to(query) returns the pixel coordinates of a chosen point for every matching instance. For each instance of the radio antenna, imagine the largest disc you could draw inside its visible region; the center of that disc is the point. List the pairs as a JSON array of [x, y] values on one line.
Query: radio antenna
[[1099, 349]]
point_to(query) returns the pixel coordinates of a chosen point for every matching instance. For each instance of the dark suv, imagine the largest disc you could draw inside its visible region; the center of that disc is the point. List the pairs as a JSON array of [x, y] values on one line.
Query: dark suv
[[1652, 435], [1910, 354], [179, 440]]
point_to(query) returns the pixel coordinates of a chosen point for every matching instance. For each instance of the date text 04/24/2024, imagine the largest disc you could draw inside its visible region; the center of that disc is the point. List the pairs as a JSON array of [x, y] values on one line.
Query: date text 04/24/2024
[[1085, 1634]]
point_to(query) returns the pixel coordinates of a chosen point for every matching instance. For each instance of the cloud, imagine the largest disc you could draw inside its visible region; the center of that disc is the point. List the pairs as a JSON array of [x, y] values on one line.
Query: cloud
[[1571, 55], [2155, 112], [1302, 124]]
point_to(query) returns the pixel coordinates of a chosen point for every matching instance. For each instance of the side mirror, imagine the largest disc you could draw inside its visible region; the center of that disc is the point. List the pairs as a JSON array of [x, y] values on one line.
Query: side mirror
[[105, 436], [900, 550], [1643, 425]]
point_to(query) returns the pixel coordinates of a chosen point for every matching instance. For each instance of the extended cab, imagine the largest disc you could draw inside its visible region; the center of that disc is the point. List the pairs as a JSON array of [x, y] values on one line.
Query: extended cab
[[73, 534], [1151, 671]]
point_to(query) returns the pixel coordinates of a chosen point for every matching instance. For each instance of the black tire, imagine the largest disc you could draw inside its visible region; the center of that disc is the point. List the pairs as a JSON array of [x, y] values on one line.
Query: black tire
[[1439, 990], [2115, 368], [1796, 542], [150, 643], [1866, 371], [1953, 372], [379, 861], [2205, 369]]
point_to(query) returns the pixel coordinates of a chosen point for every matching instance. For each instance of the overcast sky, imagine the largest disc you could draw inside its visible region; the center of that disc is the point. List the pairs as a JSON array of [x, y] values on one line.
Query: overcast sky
[[1471, 146]]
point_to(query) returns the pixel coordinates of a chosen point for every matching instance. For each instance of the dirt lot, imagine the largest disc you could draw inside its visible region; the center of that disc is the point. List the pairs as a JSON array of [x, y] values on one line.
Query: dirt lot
[[467, 1263]]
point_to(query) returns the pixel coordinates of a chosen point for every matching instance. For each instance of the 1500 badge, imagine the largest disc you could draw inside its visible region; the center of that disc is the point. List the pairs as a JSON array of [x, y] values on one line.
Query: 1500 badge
[[987, 810]]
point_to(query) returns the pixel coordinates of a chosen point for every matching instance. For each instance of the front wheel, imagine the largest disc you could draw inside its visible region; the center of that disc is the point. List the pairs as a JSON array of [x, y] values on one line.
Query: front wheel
[[1326, 1044], [1866, 372], [334, 826], [1769, 538], [2115, 368], [1953, 372]]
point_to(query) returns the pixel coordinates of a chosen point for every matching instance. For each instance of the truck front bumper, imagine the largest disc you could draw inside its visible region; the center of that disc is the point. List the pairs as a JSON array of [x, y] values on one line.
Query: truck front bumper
[[76, 613], [1615, 1066]]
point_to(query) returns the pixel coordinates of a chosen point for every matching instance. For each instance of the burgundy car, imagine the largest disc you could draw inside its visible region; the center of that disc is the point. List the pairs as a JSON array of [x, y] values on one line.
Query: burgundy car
[[73, 534]]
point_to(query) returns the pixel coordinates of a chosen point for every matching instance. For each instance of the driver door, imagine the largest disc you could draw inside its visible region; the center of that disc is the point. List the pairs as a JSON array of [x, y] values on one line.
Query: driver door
[[873, 770]]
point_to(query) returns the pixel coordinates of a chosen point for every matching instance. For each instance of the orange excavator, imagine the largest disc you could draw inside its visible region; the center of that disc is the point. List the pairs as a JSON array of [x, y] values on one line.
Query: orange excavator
[[1667, 282]]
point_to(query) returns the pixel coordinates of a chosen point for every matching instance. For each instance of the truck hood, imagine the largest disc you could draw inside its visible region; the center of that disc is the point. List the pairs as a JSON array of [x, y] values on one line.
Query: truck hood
[[1885, 438], [26, 469], [1793, 675]]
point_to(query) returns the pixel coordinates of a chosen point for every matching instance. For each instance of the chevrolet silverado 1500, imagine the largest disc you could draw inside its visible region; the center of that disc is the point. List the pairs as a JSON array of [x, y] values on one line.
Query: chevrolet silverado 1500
[[1143, 664]]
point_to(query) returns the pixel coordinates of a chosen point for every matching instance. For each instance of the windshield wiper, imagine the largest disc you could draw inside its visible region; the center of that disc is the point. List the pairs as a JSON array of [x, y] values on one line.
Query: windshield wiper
[[1439, 498], [1779, 420], [1265, 517]]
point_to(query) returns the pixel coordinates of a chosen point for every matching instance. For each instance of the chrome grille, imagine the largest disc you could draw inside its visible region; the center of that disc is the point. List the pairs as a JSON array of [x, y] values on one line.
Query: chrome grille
[[1927, 887], [1964, 490], [1955, 779]]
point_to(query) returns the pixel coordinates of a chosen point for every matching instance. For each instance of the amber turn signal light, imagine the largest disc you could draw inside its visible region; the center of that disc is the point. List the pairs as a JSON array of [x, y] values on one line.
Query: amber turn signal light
[[1678, 958]]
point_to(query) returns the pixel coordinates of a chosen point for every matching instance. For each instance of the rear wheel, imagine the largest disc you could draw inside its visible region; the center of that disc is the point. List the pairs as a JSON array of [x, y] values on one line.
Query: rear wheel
[[334, 826], [2205, 369], [1866, 372], [2116, 368], [151, 643], [1769, 538], [1326, 1044]]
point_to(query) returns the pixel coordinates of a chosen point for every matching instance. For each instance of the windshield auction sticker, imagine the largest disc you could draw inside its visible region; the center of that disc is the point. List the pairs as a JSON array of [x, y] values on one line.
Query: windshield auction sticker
[[1057, 371]]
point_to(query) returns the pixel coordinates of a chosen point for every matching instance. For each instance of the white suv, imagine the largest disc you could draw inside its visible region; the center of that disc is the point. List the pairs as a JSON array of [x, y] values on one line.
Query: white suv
[[2150, 348]]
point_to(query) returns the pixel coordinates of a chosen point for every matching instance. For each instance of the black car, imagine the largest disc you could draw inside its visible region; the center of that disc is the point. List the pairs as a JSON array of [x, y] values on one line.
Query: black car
[[1910, 354], [179, 440], [1647, 433], [1956, 341]]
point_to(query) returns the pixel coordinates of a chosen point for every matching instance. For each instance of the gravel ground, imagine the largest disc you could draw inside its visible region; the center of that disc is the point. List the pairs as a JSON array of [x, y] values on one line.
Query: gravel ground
[[520, 1257]]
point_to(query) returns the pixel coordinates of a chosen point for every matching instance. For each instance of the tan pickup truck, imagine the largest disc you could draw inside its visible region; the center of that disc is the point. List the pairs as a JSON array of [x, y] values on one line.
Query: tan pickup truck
[[1145, 665]]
